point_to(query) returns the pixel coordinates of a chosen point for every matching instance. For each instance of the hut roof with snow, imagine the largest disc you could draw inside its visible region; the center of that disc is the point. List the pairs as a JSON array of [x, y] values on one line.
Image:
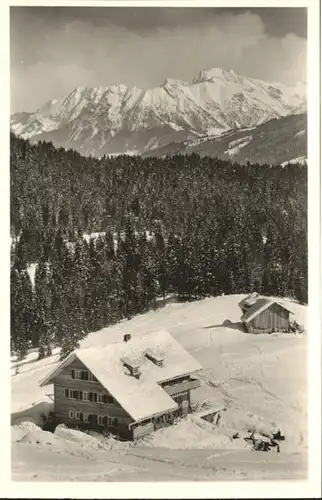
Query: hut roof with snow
[[248, 301]]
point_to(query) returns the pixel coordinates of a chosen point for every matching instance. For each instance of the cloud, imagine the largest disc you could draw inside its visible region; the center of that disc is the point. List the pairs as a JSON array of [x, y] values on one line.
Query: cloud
[[50, 58], [284, 59]]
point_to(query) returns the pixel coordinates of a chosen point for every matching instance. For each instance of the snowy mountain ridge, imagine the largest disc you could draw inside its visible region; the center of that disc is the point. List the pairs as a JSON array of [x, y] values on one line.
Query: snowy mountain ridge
[[110, 119], [276, 142]]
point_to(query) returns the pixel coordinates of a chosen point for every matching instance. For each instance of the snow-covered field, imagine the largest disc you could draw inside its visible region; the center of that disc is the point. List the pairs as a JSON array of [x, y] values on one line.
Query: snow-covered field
[[261, 379], [235, 146], [302, 160]]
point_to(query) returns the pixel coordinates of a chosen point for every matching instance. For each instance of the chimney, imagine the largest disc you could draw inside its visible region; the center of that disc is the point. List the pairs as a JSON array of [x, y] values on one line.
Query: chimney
[[127, 337]]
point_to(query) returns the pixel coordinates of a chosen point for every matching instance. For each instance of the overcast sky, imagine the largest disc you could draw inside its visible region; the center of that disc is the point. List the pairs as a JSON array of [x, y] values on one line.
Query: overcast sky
[[53, 50]]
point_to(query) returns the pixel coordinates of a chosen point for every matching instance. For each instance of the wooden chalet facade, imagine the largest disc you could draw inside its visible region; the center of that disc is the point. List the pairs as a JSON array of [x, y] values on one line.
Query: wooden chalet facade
[[128, 388], [264, 315], [81, 401]]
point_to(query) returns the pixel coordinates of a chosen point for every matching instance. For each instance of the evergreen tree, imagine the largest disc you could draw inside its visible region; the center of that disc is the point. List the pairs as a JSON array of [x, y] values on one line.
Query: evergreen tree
[[21, 311], [70, 339], [160, 262]]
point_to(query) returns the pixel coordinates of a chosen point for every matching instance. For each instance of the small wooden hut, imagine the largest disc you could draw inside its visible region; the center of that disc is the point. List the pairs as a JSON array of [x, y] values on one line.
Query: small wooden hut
[[264, 315]]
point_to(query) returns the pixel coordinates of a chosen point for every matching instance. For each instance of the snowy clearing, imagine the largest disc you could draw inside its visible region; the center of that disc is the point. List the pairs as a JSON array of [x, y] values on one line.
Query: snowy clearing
[[302, 160], [260, 379], [235, 146]]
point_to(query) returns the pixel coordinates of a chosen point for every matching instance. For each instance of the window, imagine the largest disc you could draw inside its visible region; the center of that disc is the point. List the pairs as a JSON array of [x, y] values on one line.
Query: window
[[112, 421], [89, 396], [71, 414], [72, 394], [77, 395], [93, 396], [92, 419], [85, 418], [76, 374], [100, 420], [83, 375], [107, 398], [91, 377], [77, 415]]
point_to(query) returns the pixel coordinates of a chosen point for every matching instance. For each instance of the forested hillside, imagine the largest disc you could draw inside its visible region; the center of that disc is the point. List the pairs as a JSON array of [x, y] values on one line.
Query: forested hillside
[[184, 224], [275, 141]]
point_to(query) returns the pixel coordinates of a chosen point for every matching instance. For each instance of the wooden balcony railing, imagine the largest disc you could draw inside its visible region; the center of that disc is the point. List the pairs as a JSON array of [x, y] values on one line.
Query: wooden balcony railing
[[186, 385]]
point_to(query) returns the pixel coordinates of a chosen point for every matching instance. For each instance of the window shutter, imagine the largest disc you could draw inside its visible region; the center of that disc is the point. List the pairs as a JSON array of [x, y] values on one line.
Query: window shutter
[[95, 396], [80, 394], [66, 393], [116, 422], [105, 420], [105, 398], [90, 396], [81, 417], [73, 373]]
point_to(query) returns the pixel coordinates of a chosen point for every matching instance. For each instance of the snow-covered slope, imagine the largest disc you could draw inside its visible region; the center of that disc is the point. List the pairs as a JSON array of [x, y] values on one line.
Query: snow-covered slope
[[118, 119], [261, 380], [277, 141]]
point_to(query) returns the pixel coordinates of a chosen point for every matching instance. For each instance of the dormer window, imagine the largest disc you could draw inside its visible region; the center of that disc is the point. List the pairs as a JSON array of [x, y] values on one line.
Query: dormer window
[[133, 367], [156, 358]]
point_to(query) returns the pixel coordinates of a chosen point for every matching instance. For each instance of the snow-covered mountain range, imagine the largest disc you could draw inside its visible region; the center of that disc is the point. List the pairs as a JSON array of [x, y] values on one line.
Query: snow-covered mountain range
[[118, 119]]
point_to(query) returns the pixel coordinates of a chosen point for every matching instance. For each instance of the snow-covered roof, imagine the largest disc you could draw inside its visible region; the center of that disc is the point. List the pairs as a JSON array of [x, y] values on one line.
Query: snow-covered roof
[[140, 397], [248, 300], [260, 305]]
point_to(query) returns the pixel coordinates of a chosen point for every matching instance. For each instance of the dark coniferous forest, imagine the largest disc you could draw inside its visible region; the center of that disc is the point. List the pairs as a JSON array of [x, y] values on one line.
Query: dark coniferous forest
[[187, 225]]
